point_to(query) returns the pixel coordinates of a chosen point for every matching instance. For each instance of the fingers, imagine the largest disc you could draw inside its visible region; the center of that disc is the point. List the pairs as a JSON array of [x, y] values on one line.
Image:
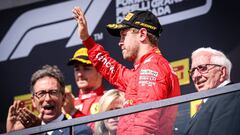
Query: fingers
[[41, 114], [24, 118], [18, 104], [82, 23], [77, 11], [73, 97], [68, 105], [33, 118], [29, 114], [11, 110], [12, 115], [13, 123], [79, 15], [69, 97], [27, 118], [14, 109]]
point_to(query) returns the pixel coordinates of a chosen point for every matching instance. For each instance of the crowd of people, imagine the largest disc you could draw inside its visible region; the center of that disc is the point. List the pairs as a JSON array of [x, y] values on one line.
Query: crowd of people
[[151, 79]]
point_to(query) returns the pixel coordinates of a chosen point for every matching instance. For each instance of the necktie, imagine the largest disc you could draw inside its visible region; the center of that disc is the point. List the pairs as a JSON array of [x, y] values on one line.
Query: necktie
[[199, 106]]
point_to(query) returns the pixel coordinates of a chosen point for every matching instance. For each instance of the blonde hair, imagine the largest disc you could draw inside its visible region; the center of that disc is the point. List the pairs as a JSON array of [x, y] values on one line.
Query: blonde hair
[[104, 103]]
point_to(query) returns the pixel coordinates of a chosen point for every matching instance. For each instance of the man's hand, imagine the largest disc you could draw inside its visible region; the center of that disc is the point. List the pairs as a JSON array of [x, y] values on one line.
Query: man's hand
[[68, 106], [13, 123], [28, 119], [82, 23]]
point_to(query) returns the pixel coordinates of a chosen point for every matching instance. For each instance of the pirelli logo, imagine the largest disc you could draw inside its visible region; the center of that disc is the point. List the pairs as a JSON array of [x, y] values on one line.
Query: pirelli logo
[[181, 68]]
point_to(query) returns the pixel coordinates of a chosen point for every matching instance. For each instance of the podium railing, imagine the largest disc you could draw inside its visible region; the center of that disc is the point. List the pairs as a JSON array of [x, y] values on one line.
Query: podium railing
[[130, 110]]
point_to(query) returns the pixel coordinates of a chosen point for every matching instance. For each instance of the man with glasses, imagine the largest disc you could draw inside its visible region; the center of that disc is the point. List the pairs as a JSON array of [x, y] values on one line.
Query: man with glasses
[[217, 115], [47, 88], [151, 79]]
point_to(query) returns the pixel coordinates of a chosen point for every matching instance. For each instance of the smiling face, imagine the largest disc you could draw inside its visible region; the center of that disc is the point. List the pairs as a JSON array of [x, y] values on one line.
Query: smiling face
[[211, 77], [47, 98]]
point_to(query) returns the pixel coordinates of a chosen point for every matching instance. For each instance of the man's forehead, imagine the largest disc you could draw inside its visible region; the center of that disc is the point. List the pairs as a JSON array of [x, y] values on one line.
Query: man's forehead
[[199, 60], [123, 31], [46, 82], [77, 64]]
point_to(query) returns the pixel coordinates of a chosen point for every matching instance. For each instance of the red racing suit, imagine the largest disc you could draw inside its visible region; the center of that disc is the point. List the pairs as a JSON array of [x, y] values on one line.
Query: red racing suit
[[87, 104], [151, 79]]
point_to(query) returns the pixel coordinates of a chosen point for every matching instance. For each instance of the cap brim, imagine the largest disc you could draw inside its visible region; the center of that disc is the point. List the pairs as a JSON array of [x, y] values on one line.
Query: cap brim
[[74, 60], [114, 29]]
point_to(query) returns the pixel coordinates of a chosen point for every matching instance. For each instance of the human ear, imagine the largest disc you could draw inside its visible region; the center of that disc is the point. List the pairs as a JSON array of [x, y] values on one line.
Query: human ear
[[33, 102], [142, 34], [224, 74]]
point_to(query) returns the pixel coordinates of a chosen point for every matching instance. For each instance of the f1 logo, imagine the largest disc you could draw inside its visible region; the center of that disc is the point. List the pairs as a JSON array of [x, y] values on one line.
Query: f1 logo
[[47, 24]]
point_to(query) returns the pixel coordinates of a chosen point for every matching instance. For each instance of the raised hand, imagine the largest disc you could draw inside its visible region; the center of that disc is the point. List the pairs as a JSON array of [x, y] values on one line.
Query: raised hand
[[82, 23], [12, 120], [68, 106], [28, 119]]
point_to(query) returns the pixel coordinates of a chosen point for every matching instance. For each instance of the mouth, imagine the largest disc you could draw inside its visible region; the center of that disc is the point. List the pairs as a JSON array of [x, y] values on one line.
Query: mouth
[[48, 107], [82, 79], [114, 123], [200, 84], [123, 51]]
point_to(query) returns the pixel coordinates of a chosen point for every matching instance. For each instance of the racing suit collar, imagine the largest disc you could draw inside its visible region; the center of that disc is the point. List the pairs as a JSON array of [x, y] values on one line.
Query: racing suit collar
[[96, 92], [144, 57]]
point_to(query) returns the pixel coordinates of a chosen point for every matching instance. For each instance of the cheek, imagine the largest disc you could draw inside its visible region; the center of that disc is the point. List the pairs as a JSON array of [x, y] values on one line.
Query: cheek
[[106, 124], [213, 81], [128, 41], [75, 75], [93, 76], [37, 105]]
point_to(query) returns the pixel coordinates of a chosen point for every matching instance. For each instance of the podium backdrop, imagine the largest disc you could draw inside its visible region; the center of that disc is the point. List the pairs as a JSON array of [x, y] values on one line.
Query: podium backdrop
[[45, 33]]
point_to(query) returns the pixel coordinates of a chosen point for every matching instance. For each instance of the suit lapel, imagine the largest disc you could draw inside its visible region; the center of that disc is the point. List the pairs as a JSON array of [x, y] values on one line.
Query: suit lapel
[[191, 122], [61, 131], [198, 115]]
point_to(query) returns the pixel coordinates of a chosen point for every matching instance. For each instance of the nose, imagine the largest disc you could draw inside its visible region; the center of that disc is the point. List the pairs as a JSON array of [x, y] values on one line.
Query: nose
[[120, 44], [122, 38], [80, 73], [195, 74], [47, 97]]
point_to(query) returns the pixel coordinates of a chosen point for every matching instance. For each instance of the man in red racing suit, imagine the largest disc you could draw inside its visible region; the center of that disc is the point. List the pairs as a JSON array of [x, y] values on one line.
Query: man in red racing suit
[[151, 79]]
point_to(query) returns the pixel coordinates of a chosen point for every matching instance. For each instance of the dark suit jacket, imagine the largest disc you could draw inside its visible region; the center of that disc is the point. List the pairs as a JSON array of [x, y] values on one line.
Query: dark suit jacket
[[77, 130], [220, 115]]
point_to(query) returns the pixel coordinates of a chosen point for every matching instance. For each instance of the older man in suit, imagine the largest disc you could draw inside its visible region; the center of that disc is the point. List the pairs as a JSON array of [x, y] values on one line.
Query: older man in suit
[[47, 88], [217, 115]]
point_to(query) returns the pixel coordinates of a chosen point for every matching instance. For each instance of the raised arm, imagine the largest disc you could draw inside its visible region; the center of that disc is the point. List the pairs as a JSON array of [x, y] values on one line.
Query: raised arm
[[82, 23], [13, 122]]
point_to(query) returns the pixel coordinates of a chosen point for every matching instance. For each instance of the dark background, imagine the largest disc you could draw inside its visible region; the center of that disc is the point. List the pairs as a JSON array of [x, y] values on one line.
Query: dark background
[[219, 29]]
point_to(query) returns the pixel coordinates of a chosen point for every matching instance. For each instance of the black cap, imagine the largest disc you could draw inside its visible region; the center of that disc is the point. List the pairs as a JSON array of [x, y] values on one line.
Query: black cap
[[137, 19]]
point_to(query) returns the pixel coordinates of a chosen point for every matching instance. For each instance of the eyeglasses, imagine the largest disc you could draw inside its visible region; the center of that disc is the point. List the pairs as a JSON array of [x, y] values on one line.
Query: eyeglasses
[[202, 68], [42, 94]]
